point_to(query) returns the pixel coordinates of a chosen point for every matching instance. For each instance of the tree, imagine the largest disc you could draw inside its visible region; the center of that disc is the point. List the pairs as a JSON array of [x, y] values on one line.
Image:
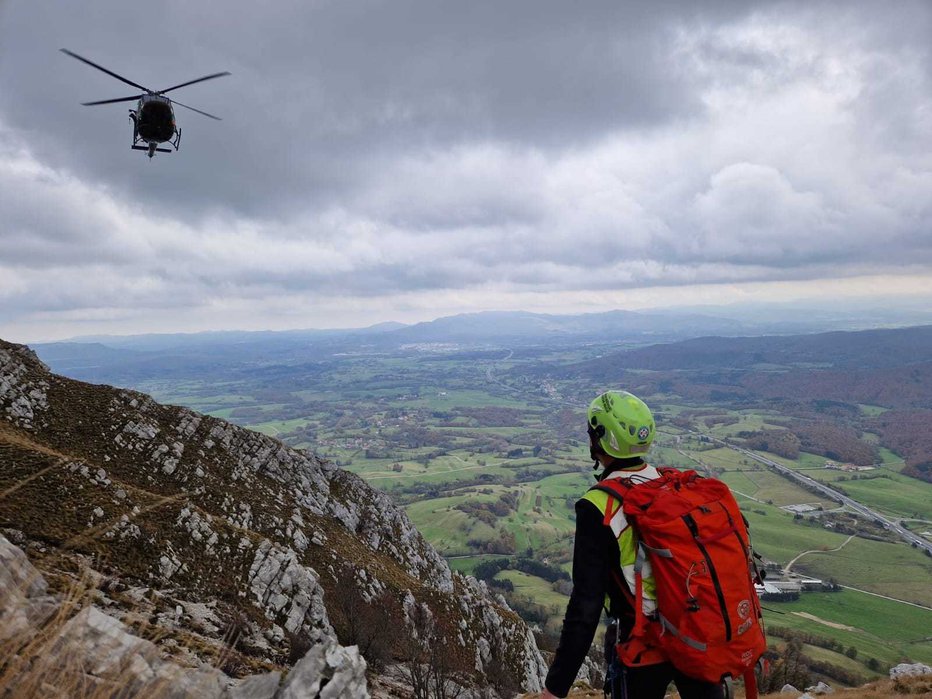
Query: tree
[[427, 668], [360, 622], [789, 667]]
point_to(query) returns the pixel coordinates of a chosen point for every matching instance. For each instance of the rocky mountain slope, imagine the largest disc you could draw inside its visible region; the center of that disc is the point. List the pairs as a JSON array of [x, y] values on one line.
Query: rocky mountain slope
[[223, 545]]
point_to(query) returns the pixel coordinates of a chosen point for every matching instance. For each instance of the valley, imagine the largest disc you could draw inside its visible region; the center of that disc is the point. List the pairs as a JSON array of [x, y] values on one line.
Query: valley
[[484, 446]]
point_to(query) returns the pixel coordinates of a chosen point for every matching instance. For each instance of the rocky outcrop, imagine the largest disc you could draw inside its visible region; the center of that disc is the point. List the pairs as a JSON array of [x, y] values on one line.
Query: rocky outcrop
[[97, 652], [22, 393], [223, 533], [909, 670], [328, 672], [819, 689], [24, 599]]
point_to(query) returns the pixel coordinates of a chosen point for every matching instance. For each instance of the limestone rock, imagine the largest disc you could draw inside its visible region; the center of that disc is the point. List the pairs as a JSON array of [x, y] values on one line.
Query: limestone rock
[[285, 587], [256, 687], [910, 670], [820, 688], [105, 650], [23, 397], [24, 599], [242, 513], [327, 671]]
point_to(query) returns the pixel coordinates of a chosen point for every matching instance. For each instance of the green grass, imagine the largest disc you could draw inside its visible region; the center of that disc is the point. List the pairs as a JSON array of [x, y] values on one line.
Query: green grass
[[277, 427], [895, 570], [890, 457], [750, 422], [839, 659], [537, 589], [886, 630], [433, 399], [805, 460], [442, 470], [779, 490], [449, 530], [872, 410], [544, 520], [467, 564], [539, 526], [779, 537], [669, 456], [893, 494], [741, 482]]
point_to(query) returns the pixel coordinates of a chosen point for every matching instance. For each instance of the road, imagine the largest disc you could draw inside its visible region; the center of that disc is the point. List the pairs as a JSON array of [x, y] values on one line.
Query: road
[[830, 493], [892, 599], [789, 566]]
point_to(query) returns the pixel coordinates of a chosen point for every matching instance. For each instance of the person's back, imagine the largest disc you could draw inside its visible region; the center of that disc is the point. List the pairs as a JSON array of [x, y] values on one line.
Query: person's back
[[621, 430]]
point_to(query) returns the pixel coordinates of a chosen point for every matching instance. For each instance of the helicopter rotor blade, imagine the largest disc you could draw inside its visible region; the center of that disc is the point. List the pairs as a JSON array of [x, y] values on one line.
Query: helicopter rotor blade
[[118, 99], [191, 82], [197, 110], [108, 72]]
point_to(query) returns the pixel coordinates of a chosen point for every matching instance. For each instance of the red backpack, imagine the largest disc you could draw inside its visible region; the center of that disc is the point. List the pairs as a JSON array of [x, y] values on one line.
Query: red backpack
[[708, 622]]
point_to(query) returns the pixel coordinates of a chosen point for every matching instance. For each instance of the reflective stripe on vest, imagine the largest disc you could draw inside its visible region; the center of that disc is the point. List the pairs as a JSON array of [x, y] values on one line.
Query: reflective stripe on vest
[[627, 549]]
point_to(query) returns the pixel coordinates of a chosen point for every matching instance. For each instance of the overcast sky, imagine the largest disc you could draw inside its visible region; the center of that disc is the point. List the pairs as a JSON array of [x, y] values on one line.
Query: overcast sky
[[406, 160]]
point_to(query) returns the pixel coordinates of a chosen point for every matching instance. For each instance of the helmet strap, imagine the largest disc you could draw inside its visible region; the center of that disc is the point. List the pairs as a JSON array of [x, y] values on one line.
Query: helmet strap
[[595, 447]]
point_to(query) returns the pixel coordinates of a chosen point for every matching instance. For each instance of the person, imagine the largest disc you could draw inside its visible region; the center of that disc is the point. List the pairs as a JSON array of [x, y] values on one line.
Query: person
[[621, 429]]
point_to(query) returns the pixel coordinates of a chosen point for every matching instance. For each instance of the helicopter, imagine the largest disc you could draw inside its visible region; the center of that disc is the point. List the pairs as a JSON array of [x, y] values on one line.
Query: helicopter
[[153, 119]]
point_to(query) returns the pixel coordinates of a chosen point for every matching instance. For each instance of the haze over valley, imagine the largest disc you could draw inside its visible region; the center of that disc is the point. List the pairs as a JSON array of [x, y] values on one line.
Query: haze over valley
[[321, 366], [474, 425]]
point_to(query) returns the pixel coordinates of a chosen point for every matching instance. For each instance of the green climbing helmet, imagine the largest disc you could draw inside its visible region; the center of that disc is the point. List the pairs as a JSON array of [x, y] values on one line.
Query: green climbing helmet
[[622, 424]]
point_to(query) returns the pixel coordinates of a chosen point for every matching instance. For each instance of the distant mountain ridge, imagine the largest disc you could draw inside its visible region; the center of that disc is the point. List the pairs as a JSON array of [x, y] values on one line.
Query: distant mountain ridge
[[200, 526], [616, 325], [122, 360], [806, 376], [889, 367], [212, 355], [858, 349]]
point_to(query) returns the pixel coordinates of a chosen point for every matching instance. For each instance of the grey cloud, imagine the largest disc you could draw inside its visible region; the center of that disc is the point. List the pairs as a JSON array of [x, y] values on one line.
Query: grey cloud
[[322, 93], [369, 149]]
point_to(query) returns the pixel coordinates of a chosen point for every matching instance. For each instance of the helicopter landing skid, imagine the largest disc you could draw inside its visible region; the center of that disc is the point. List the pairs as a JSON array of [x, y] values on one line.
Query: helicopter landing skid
[[151, 147]]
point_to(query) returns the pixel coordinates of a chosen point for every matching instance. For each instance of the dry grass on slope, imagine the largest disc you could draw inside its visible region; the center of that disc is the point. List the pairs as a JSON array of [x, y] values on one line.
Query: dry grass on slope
[[35, 663]]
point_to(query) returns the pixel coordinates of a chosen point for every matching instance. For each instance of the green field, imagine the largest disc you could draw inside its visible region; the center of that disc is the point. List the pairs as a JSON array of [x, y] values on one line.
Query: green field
[[435, 433], [449, 529], [872, 410], [539, 591], [895, 570], [779, 537], [467, 564], [892, 494], [886, 630], [753, 479]]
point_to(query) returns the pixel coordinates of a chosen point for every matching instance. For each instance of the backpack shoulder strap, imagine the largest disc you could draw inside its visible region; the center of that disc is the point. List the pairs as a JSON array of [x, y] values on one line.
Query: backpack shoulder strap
[[612, 503], [613, 486]]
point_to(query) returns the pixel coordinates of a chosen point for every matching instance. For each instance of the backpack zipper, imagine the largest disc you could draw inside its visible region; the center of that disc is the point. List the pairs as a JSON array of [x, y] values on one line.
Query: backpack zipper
[[694, 530]]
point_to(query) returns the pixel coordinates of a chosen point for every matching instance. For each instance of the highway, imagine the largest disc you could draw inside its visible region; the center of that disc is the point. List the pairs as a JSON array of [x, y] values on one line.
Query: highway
[[830, 493]]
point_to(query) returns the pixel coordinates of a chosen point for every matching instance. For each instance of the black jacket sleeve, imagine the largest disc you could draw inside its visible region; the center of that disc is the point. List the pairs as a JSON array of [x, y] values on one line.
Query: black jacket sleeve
[[593, 560]]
